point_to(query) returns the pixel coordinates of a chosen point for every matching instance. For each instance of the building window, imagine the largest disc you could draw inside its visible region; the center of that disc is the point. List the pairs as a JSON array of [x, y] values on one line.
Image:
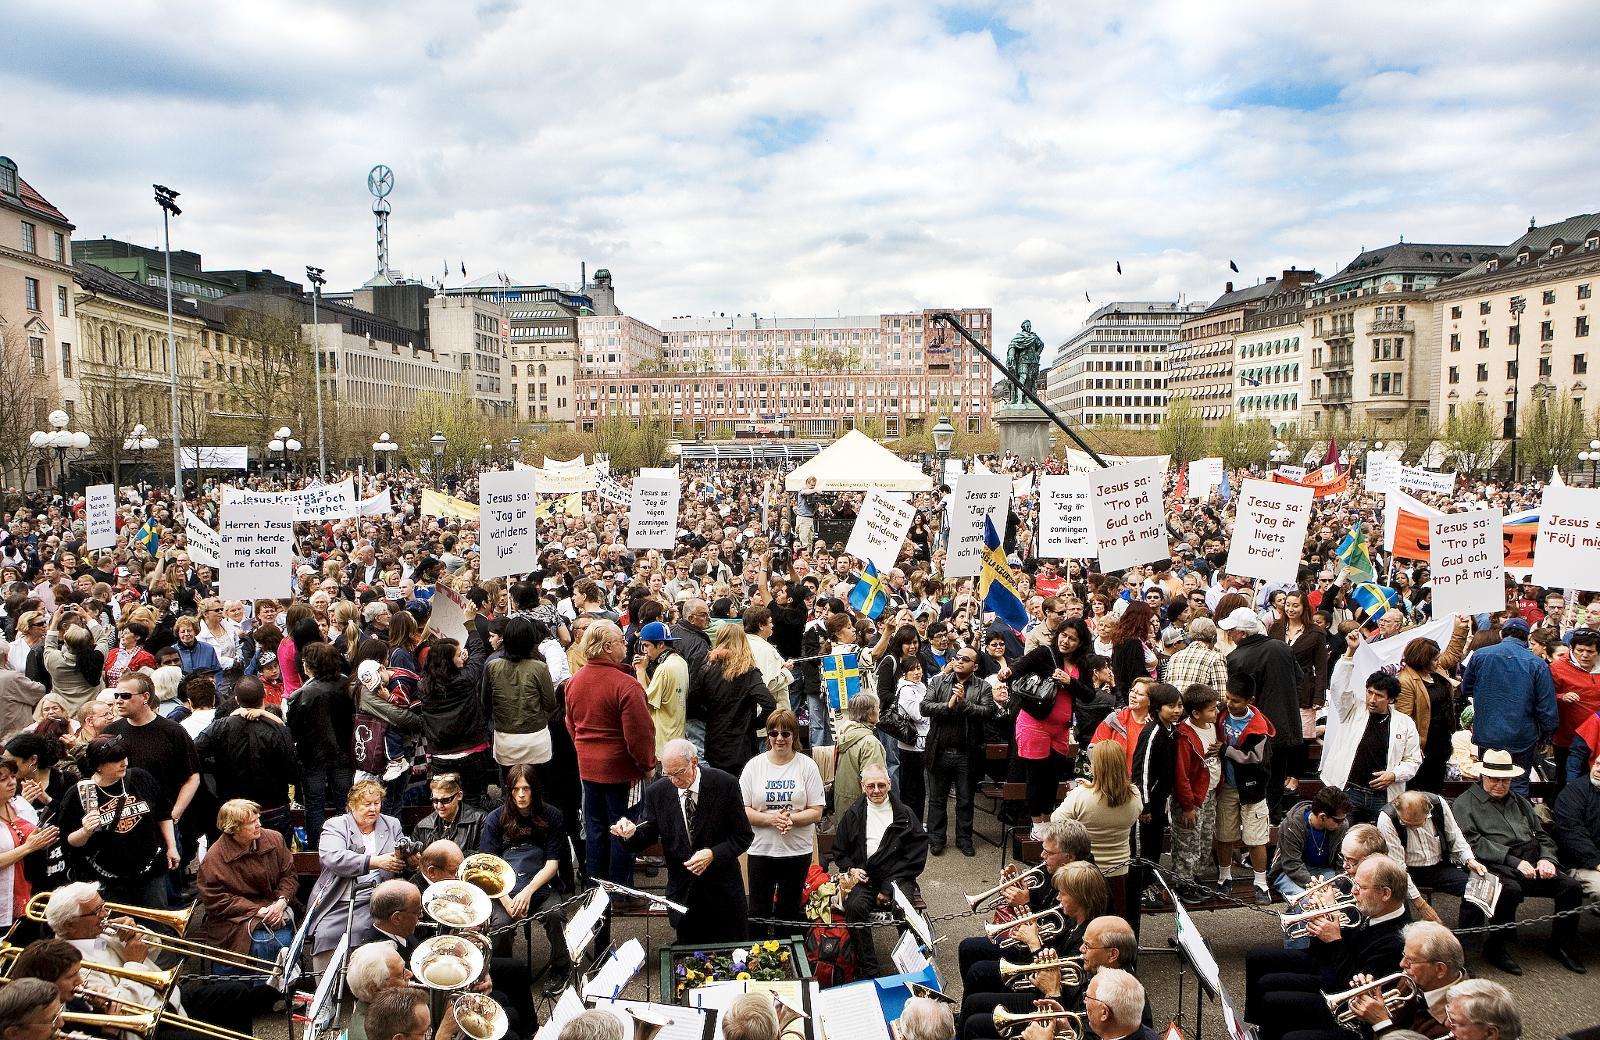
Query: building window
[[1544, 368], [1455, 312], [1547, 331], [1582, 327], [1455, 374], [1483, 373], [1548, 297], [1483, 308], [1514, 335], [66, 361], [1580, 364], [1455, 341], [60, 241], [1511, 370], [61, 300], [1583, 292], [1483, 338], [36, 352], [30, 293], [29, 238]]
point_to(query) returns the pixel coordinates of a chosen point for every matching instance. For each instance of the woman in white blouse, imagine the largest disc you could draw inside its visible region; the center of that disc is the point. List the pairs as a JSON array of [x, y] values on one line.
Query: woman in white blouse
[[221, 633]]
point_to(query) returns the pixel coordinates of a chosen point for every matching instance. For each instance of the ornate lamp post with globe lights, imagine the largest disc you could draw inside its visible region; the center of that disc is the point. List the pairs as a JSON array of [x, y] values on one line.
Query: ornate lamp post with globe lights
[[1592, 457], [382, 448], [60, 440], [283, 443]]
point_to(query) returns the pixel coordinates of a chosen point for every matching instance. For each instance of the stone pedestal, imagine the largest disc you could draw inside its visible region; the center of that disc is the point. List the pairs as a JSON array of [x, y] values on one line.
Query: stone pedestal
[[1024, 430]]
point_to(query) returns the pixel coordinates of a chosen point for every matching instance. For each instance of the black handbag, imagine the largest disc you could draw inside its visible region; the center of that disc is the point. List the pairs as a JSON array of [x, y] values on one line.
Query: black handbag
[[1034, 694], [898, 723]]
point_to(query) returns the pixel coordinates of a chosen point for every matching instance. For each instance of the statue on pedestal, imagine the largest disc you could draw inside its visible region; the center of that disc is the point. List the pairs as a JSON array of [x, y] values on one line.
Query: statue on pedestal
[[1022, 357]]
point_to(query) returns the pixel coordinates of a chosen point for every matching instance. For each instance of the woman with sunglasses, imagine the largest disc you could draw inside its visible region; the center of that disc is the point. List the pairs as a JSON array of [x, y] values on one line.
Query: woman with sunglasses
[[783, 800], [452, 819]]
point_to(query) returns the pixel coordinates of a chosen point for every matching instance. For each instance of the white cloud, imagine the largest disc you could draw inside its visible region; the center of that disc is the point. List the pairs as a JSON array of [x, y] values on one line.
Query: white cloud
[[824, 157]]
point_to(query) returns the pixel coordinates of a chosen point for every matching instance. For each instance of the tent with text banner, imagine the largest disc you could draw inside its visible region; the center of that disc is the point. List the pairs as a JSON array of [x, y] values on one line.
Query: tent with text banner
[[856, 462]]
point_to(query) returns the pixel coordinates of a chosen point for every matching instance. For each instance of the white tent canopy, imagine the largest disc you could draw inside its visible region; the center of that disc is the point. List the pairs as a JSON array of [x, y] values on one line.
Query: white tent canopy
[[856, 462]]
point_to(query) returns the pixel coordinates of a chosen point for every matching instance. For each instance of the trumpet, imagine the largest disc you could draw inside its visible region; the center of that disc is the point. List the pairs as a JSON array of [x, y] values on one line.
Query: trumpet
[[1394, 989], [178, 920], [647, 1022], [1020, 976], [1295, 925], [1013, 1022], [1032, 878], [488, 872], [1317, 892], [1051, 923]]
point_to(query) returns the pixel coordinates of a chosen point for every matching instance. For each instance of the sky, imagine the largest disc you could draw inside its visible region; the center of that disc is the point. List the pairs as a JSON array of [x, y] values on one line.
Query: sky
[[811, 159]]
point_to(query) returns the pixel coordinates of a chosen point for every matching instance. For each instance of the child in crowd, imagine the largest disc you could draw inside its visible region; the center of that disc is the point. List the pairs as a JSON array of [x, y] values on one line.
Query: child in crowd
[[1155, 758], [1194, 787], [1242, 795]]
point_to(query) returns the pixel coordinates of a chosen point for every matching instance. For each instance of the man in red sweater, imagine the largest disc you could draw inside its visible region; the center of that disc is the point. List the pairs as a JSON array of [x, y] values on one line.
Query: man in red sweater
[[1577, 679], [616, 743]]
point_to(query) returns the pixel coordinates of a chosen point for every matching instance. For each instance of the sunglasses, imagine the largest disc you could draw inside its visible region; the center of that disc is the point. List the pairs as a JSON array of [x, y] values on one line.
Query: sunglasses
[[446, 800], [781, 734], [123, 695]]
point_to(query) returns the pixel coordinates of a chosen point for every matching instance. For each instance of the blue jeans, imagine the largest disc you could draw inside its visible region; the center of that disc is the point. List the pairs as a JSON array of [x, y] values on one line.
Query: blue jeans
[[1289, 889], [1523, 758], [891, 758], [605, 857], [821, 727], [1365, 803], [326, 786]]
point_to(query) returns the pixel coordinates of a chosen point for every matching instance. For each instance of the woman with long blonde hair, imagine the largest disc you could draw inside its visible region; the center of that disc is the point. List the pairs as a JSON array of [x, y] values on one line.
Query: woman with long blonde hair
[[1107, 806], [733, 700]]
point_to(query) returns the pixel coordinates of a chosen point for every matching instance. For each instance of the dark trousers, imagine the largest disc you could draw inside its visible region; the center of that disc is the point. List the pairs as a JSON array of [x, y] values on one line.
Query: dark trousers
[[605, 857], [1043, 777], [950, 769], [1566, 890], [232, 1005], [1365, 803], [1271, 971], [977, 1010], [1150, 834], [280, 820], [974, 949], [914, 782], [859, 906], [775, 886], [1278, 765], [554, 925], [1447, 877], [326, 785], [474, 771]]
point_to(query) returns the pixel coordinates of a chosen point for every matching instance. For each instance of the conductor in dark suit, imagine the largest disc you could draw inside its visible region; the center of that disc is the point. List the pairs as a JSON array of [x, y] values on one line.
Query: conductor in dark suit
[[697, 814]]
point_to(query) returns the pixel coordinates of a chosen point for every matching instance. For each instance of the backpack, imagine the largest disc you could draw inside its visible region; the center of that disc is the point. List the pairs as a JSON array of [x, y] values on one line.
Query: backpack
[[831, 949]]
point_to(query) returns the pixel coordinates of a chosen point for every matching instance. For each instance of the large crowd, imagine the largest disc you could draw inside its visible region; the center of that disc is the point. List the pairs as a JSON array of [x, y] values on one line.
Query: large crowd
[[619, 710]]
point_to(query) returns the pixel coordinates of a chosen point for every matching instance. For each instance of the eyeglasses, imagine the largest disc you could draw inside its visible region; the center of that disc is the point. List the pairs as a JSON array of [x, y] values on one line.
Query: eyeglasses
[[446, 800], [781, 734], [123, 695], [673, 774]]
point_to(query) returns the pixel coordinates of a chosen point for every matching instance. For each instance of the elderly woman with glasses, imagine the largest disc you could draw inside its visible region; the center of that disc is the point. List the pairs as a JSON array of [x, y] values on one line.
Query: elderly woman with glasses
[[783, 800], [246, 882], [452, 819], [358, 853]]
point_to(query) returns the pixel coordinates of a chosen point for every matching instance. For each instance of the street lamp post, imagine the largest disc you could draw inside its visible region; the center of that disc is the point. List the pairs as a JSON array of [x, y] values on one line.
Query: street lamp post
[[1280, 455], [139, 441], [1592, 457], [943, 436], [314, 274], [1518, 305], [283, 443], [438, 442], [488, 454], [514, 446], [60, 439], [382, 447], [169, 208]]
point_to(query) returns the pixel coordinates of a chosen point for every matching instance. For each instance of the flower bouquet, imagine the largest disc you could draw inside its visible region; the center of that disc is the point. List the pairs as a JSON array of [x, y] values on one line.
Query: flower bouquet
[[774, 960]]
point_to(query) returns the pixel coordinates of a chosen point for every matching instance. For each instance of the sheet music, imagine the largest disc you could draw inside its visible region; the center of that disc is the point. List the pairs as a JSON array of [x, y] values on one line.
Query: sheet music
[[323, 1009], [788, 989], [583, 924], [569, 1007], [618, 969], [686, 1023], [919, 924], [852, 1012], [908, 956]]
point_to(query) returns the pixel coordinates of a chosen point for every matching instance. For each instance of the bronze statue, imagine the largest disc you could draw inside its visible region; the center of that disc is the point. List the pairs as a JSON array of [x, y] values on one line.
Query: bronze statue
[[1022, 357]]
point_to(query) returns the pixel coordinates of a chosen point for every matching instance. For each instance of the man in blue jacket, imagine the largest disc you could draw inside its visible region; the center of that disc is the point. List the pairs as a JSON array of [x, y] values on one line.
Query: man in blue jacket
[[1513, 698]]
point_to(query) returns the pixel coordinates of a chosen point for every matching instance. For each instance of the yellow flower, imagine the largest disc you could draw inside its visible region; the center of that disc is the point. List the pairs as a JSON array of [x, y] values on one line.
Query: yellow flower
[[742, 975], [771, 946], [784, 957]]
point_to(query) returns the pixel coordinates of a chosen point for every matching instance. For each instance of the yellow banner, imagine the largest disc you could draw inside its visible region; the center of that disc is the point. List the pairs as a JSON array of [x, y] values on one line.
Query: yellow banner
[[435, 504]]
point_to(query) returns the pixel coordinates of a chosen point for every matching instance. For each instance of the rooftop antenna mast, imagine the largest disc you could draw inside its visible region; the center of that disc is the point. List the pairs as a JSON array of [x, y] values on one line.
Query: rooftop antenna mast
[[380, 182]]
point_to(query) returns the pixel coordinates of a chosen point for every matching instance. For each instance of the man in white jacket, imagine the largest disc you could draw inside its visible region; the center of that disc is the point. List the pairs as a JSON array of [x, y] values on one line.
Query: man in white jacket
[[1370, 753]]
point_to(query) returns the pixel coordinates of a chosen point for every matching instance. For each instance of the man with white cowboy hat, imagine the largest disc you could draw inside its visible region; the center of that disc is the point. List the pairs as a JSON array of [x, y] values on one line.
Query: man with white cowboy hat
[[1271, 665], [1509, 839]]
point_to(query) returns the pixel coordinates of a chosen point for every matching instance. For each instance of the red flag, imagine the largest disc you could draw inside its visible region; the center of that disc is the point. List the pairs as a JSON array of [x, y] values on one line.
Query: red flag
[[1182, 489], [1332, 457]]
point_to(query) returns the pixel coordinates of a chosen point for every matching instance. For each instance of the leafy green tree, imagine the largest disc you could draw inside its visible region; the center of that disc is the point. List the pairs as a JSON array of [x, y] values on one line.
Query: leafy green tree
[[1468, 439], [1550, 436], [1183, 433], [1240, 444]]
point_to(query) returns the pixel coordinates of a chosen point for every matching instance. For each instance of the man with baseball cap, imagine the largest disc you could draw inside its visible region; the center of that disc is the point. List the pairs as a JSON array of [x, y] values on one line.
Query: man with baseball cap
[[1513, 698], [1272, 667], [1508, 838], [664, 674]]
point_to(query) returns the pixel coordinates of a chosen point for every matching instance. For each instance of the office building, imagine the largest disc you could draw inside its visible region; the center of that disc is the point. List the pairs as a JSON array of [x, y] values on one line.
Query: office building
[[1114, 369]]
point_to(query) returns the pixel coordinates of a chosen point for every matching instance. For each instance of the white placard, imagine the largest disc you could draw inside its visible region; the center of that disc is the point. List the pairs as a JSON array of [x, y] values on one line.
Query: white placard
[[506, 543], [976, 496], [216, 458], [1270, 530], [653, 510], [568, 480], [100, 516], [1568, 555], [880, 529], [1128, 525], [1292, 472], [1424, 481], [1383, 471], [1205, 475], [954, 469], [313, 504], [381, 504], [257, 551], [1467, 562], [447, 617], [1066, 523], [205, 545]]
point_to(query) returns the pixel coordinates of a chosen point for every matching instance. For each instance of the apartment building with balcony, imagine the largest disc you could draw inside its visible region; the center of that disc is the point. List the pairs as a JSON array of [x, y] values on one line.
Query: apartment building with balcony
[[1200, 365], [1270, 354]]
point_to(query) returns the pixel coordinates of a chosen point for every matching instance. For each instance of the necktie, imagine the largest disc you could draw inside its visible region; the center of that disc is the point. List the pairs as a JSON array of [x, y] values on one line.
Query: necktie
[[688, 812]]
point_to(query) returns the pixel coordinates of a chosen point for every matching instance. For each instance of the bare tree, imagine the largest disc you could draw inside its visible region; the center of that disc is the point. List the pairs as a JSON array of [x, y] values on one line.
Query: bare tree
[[23, 392], [276, 372]]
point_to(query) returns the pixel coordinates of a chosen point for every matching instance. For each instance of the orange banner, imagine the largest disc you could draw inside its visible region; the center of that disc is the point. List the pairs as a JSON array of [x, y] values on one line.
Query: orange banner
[[1337, 486], [1411, 540]]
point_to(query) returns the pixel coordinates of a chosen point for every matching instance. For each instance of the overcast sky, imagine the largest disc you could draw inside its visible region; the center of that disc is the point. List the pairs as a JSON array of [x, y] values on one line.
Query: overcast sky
[[811, 158]]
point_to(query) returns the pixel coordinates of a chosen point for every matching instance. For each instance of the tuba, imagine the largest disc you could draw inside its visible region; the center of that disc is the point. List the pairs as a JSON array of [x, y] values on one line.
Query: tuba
[[456, 904], [479, 1016], [490, 873], [647, 1022]]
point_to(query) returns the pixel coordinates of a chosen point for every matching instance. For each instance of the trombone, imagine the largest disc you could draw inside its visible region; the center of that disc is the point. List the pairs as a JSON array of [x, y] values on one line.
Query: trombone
[[1313, 895], [158, 979], [1020, 976], [176, 945], [1051, 923], [1032, 878], [1010, 1023], [136, 1017], [1296, 926], [1394, 990]]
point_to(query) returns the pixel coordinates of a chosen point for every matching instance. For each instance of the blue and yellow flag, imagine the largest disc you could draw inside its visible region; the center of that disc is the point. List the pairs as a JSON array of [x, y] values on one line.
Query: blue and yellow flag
[[1374, 600], [1225, 489], [841, 679], [868, 597], [1355, 562], [148, 537], [997, 587]]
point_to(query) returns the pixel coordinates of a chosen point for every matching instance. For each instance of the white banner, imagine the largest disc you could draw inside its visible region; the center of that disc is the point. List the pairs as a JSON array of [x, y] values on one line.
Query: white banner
[[1205, 476], [880, 529], [1292, 472], [100, 516], [1270, 530], [976, 496], [1383, 471], [1128, 512], [205, 545], [313, 504], [1424, 481], [653, 509], [1467, 562], [381, 504], [257, 551], [576, 463], [566, 481], [1568, 555], [506, 542], [1066, 526], [216, 458], [1393, 502], [614, 491]]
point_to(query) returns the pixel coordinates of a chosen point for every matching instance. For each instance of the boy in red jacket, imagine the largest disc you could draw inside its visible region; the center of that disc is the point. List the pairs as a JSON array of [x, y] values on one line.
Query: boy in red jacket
[[1242, 796], [1194, 788]]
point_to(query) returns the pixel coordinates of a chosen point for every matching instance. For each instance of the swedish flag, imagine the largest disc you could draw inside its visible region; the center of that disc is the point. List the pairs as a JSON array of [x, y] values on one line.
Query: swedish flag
[[868, 597], [1354, 558], [996, 585], [841, 679], [1375, 600], [148, 537]]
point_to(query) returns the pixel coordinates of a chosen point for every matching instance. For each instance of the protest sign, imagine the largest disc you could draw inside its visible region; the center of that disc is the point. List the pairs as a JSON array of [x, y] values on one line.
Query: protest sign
[[1128, 526], [448, 617], [1270, 530], [205, 546], [1383, 471], [506, 542], [976, 496], [1424, 481], [880, 529], [313, 504], [1204, 477], [1292, 472], [653, 509], [1466, 559], [1065, 524], [100, 516], [381, 504], [1569, 539], [567, 480], [257, 550]]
